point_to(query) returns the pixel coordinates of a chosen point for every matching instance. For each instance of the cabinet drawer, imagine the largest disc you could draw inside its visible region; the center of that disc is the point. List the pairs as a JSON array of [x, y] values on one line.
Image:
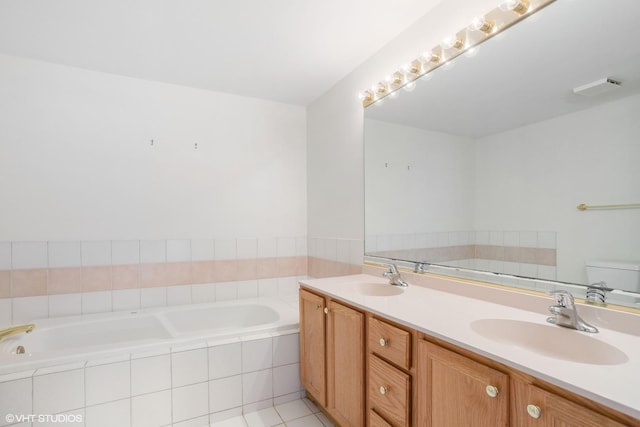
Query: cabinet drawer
[[389, 342], [376, 420], [389, 392]]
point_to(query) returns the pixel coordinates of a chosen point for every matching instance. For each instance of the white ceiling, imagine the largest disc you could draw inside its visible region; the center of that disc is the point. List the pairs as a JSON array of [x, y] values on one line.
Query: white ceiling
[[290, 51]]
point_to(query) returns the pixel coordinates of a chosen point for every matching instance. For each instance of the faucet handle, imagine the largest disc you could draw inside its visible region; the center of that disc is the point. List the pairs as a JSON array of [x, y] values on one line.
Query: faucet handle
[[563, 298], [393, 269]]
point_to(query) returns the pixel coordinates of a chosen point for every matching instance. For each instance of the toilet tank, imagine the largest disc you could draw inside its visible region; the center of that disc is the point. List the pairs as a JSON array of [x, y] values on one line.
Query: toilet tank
[[616, 274]]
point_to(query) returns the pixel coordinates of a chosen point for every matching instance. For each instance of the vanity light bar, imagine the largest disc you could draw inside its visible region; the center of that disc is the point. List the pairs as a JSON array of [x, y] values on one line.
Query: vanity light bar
[[481, 29]]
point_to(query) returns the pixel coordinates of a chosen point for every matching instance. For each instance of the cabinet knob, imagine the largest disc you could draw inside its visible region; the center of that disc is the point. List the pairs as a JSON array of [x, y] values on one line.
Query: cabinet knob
[[533, 411], [383, 342], [491, 390], [383, 389], [326, 310]]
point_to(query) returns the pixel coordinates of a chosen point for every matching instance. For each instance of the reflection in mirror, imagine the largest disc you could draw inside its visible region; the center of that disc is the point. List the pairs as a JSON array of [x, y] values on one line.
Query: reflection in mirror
[[482, 166]]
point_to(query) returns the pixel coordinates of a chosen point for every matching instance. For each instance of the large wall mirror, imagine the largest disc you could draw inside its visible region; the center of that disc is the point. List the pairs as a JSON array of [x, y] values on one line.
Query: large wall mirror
[[481, 167]]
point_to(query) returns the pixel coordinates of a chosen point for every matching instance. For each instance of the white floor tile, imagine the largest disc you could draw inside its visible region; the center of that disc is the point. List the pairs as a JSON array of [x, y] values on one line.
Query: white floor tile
[[311, 405], [292, 410], [308, 421], [231, 422], [264, 418], [193, 422]]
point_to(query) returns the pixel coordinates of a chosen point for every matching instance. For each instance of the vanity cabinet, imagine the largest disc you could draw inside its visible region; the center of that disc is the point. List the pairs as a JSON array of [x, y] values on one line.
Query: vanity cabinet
[[532, 406], [332, 357], [454, 390], [414, 379]]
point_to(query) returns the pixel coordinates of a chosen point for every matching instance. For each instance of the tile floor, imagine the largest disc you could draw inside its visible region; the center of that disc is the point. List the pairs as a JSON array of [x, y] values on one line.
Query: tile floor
[[297, 413]]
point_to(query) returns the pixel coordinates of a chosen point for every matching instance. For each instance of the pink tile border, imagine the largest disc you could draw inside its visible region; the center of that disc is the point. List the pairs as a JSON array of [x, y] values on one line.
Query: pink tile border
[[64, 280], [53, 281], [5, 284], [203, 272], [125, 276], [96, 279], [28, 283]]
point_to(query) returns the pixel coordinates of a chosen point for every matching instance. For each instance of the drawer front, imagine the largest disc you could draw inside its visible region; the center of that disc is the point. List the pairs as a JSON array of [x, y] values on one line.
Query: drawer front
[[390, 342], [389, 392], [376, 420]]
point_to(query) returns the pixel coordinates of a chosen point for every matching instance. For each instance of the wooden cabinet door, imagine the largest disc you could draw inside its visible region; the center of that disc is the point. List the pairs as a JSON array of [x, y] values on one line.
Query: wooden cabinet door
[[345, 365], [312, 346], [534, 407], [454, 391]]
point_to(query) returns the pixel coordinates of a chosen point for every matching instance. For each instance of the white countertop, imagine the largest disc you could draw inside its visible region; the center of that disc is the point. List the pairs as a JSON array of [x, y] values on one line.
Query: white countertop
[[449, 315]]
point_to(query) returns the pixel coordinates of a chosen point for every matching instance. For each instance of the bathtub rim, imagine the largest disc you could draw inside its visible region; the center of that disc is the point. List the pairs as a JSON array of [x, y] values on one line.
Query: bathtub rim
[[10, 364]]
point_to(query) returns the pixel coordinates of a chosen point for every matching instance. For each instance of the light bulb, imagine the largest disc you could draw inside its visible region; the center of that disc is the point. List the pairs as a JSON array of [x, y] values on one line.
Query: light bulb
[[366, 96], [431, 56], [452, 42], [412, 68], [518, 6], [397, 79], [381, 88], [481, 24]]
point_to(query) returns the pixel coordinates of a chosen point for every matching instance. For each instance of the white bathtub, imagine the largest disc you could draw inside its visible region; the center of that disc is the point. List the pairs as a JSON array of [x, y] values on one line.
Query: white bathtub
[[70, 339]]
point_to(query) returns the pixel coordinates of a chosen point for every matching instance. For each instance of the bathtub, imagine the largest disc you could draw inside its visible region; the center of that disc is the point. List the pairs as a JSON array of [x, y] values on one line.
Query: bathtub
[[194, 364], [68, 339]]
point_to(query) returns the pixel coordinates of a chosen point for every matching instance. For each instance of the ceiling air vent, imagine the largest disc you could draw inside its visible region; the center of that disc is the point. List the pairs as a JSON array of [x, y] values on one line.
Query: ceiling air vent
[[598, 87]]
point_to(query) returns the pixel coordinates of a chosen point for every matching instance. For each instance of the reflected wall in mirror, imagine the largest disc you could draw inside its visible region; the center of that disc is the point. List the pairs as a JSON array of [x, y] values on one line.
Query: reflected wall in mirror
[[482, 166]]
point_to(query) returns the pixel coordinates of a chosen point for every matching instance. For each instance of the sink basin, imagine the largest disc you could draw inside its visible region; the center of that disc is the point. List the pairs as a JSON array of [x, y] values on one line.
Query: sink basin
[[376, 289], [551, 341]]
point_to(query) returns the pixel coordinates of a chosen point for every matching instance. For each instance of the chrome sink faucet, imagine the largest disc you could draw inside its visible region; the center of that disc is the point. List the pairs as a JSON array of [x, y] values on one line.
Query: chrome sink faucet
[[394, 276], [565, 313]]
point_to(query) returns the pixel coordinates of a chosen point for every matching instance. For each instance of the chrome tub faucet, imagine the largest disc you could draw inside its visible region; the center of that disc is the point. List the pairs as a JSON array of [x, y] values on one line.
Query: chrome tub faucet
[[394, 276], [565, 313]]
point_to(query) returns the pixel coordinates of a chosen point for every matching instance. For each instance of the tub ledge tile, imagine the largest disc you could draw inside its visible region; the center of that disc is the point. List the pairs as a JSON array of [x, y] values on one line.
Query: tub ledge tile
[[222, 341], [17, 375], [188, 347], [60, 368], [125, 357], [256, 337], [151, 353]]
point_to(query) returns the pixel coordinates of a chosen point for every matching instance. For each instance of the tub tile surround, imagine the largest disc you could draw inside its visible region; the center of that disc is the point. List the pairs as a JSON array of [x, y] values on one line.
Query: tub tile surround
[[190, 385], [51, 279], [183, 386]]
